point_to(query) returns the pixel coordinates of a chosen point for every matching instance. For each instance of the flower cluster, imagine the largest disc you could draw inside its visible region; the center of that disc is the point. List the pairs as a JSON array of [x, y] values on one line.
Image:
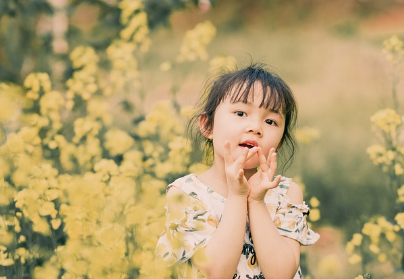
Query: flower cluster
[[379, 240], [134, 20], [389, 156], [79, 198], [195, 41], [393, 48], [83, 83], [386, 120]]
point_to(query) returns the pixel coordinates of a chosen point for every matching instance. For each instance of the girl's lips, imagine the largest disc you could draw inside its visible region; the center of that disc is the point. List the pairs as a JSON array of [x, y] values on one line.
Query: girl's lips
[[249, 144]]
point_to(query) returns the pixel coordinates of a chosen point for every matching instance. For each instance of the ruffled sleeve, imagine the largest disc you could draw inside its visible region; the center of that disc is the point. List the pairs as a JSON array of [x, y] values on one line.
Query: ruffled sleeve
[[189, 226], [289, 218]]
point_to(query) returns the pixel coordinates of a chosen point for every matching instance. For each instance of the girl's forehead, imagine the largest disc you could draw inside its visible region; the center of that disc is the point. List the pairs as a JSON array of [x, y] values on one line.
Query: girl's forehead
[[266, 97]]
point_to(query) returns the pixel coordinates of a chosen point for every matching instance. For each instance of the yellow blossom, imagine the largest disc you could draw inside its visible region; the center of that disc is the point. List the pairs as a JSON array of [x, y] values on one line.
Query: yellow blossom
[[329, 265], [117, 142], [37, 83], [400, 219], [374, 248], [314, 202], [314, 215], [386, 120], [398, 169], [195, 42], [354, 259], [393, 48], [307, 135], [382, 257], [357, 239]]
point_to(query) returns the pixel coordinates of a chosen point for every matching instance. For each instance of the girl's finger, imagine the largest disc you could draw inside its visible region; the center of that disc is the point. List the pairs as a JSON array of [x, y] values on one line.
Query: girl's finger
[[252, 152], [240, 176], [228, 160], [271, 151], [263, 161], [277, 180], [242, 159], [273, 165]]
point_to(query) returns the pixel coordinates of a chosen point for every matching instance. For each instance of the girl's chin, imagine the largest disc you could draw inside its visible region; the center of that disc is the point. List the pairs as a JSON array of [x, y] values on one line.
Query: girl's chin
[[252, 167]]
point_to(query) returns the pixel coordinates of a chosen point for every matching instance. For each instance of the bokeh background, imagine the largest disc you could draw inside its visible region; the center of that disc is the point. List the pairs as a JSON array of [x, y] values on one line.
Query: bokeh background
[[106, 115]]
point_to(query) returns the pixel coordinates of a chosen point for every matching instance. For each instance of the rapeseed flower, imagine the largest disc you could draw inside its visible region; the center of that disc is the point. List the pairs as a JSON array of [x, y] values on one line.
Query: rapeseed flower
[[117, 141], [387, 120], [195, 41], [306, 135], [393, 48]]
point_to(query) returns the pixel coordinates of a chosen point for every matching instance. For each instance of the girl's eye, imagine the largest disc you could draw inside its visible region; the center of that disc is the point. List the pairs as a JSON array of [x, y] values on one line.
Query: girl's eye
[[270, 122], [240, 113]]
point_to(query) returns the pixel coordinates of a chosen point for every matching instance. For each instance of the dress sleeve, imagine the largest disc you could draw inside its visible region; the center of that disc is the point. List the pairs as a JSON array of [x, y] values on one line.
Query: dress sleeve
[[290, 219], [189, 226]]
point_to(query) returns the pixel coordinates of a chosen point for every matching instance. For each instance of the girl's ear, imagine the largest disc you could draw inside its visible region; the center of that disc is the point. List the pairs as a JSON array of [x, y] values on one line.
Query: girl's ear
[[206, 132]]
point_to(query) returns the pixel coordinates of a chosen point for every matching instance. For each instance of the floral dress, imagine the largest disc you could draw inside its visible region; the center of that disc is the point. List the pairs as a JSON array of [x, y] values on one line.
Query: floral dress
[[190, 228]]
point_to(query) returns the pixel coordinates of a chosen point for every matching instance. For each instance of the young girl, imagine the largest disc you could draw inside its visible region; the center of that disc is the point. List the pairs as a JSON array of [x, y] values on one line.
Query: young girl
[[237, 220]]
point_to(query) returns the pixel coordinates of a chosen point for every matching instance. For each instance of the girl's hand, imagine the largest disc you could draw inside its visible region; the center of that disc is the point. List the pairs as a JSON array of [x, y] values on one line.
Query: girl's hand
[[262, 180], [236, 181]]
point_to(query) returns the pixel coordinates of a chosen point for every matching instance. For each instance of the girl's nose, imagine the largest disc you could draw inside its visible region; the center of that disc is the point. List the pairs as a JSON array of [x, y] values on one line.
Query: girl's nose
[[254, 128]]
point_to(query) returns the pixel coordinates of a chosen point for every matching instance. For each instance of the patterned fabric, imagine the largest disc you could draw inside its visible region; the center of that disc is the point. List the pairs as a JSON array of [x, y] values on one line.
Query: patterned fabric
[[191, 226]]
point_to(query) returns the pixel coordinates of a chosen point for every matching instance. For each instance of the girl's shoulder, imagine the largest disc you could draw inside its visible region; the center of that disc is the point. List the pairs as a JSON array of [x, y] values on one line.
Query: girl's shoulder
[[185, 183], [193, 187], [285, 190], [284, 185]]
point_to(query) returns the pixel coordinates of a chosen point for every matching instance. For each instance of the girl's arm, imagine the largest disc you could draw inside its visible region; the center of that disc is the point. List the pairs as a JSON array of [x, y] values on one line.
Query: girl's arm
[[277, 256], [224, 248], [223, 251]]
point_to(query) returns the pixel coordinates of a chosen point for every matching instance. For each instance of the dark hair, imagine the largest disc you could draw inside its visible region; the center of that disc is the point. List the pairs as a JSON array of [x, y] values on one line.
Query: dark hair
[[277, 96]]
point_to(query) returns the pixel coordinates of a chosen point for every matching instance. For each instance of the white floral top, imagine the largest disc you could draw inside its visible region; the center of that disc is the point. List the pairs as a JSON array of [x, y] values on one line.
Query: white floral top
[[191, 229]]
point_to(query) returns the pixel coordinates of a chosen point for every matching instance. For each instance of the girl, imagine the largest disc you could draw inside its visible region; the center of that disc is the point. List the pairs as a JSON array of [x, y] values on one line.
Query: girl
[[237, 220]]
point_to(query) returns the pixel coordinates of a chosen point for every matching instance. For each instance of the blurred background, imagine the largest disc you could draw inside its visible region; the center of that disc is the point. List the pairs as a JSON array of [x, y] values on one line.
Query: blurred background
[[329, 52]]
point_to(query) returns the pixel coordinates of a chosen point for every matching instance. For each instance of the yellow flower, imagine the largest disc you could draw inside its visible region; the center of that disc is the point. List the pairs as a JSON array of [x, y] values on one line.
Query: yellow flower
[[393, 48], [307, 135], [374, 248], [386, 120], [350, 247], [314, 215], [118, 142], [50, 270], [329, 265], [400, 219], [398, 169], [382, 257], [165, 66], [354, 259], [357, 239], [359, 277], [47, 208], [314, 202], [195, 41], [37, 83]]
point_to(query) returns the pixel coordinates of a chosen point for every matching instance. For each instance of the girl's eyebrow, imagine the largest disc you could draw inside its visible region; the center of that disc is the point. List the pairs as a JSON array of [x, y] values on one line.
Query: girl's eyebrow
[[276, 111]]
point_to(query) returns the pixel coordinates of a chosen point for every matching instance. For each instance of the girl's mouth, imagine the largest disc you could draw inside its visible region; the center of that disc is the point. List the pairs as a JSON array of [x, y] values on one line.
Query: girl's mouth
[[249, 144]]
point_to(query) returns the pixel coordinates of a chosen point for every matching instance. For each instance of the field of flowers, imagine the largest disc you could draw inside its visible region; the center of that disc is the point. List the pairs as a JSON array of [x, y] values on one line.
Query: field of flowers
[[88, 142]]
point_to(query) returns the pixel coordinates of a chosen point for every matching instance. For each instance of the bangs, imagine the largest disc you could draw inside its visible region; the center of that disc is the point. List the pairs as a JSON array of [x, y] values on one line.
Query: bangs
[[247, 91]]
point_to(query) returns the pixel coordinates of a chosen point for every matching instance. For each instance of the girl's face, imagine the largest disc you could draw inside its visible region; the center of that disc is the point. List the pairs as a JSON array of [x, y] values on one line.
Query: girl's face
[[245, 125]]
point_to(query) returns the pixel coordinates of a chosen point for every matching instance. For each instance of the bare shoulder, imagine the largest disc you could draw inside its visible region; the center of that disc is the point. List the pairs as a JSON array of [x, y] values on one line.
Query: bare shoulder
[[295, 193]]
